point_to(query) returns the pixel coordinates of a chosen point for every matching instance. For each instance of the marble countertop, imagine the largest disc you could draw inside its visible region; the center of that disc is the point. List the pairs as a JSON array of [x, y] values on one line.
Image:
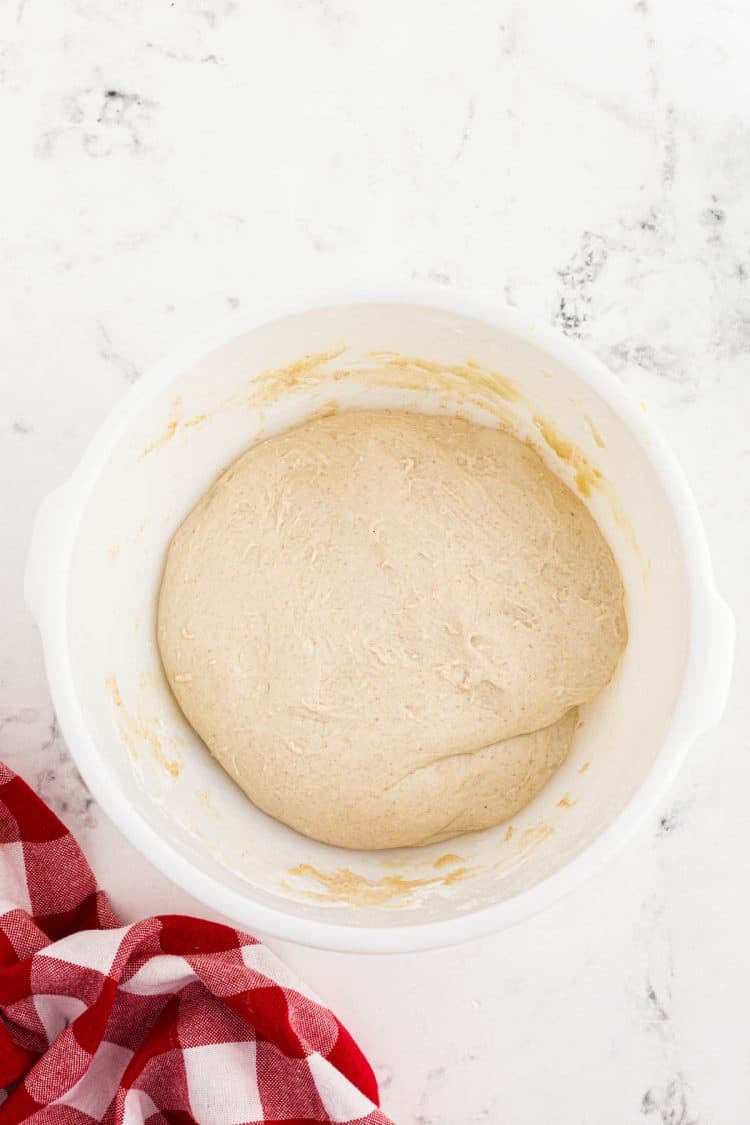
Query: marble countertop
[[588, 163]]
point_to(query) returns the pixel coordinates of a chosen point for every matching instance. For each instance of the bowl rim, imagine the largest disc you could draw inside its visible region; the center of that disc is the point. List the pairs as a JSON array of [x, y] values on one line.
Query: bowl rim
[[699, 704]]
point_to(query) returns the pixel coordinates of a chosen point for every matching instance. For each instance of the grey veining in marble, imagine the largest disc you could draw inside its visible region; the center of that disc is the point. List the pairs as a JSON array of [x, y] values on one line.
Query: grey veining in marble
[[163, 165]]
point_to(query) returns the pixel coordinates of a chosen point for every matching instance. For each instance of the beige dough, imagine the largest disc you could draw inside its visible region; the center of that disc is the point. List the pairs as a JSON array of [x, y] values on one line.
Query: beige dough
[[381, 624]]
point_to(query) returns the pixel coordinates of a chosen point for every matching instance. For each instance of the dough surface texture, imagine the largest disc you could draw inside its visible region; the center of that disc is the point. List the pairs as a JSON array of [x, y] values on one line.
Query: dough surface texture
[[381, 625]]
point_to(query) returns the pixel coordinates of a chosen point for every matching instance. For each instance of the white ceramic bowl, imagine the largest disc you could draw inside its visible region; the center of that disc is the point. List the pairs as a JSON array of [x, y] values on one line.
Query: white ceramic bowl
[[95, 565]]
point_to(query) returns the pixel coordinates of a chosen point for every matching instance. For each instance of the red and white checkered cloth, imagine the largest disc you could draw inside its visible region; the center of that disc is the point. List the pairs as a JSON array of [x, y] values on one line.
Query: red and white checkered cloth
[[172, 1020]]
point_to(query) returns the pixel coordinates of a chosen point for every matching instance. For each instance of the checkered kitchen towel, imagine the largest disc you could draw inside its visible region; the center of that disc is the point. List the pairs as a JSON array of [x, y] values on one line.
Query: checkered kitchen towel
[[172, 1020]]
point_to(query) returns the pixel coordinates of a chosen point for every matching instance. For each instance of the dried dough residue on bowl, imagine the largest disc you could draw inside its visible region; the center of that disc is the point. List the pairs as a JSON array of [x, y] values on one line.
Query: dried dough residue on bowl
[[468, 383], [134, 730], [347, 886]]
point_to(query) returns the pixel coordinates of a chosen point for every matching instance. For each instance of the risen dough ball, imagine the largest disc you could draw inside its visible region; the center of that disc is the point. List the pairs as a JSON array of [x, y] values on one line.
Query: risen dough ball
[[361, 611]]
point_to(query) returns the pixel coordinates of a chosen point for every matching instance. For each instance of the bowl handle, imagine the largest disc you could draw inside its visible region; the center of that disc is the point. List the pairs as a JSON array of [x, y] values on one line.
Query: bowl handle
[[43, 564], [718, 663]]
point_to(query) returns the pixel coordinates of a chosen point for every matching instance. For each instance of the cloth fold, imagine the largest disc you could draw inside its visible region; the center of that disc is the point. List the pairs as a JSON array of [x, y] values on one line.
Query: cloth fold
[[169, 1021]]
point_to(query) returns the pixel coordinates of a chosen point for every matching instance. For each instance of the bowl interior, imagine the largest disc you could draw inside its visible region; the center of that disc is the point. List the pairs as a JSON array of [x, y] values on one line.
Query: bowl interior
[[363, 357]]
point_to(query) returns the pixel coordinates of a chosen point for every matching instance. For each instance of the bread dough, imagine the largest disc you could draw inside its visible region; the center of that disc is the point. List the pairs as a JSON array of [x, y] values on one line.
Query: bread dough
[[381, 625]]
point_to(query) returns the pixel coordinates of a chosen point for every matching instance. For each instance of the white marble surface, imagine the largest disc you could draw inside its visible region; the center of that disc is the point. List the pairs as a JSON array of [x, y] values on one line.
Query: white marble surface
[[163, 163]]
